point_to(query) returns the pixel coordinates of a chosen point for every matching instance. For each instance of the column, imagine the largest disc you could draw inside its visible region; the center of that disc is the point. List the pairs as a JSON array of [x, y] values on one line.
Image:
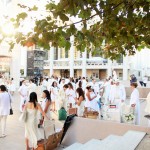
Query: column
[[16, 65], [109, 70], [71, 59], [84, 63], [125, 68], [51, 61]]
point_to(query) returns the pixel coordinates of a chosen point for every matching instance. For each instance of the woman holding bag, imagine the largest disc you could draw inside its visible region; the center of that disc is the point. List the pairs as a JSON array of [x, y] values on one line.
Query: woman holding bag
[[4, 108], [31, 123]]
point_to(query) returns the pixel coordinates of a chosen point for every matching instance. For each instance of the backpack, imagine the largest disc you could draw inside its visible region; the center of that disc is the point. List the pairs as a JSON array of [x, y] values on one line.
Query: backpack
[[62, 114]]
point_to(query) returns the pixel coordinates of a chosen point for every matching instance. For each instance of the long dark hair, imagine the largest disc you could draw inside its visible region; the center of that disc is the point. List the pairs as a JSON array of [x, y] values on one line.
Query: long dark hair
[[71, 86], [3, 88], [54, 83], [47, 95], [80, 92], [80, 84], [33, 98]]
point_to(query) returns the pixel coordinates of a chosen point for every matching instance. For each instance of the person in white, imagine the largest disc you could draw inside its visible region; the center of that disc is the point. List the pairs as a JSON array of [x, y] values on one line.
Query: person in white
[[23, 91], [46, 103], [62, 83], [147, 108], [145, 80], [12, 87], [91, 99], [84, 83], [80, 101], [117, 93], [95, 86], [54, 95], [44, 84], [135, 102], [5, 102], [71, 94], [107, 85], [62, 97], [32, 86]]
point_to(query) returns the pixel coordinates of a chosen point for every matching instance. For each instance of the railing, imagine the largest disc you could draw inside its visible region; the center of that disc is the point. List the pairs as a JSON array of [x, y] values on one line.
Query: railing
[[61, 63], [77, 62], [96, 63]]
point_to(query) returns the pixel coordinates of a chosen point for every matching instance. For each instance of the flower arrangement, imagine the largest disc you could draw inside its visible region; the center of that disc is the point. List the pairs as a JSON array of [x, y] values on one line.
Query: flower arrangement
[[128, 118]]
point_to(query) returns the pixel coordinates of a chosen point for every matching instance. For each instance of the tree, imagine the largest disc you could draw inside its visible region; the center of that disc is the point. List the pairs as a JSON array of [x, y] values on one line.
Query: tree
[[112, 27]]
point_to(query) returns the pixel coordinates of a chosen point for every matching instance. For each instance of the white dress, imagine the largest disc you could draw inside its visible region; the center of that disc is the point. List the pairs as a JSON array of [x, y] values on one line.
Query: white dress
[[54, 94], [32, 132], [71, 96], [43, 107], [12, 87], [80, 109], [93, 103], [135, 100]]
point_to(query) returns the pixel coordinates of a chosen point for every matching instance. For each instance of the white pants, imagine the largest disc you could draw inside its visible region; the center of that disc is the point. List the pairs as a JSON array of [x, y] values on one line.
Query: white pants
[[3, 123], [21, 104]]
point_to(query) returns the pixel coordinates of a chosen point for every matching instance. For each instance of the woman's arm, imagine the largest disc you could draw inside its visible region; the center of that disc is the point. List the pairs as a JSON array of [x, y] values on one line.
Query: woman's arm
[[47, 105], [42, 112], [79, 101]]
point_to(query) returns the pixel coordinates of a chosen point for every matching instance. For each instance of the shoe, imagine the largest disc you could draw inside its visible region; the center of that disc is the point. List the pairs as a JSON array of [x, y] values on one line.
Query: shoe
[[2, 136], [147, 116]]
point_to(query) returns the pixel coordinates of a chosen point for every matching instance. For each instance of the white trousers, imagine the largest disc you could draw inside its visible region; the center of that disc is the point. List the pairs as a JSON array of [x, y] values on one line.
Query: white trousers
[[21, 103], [3, 124]]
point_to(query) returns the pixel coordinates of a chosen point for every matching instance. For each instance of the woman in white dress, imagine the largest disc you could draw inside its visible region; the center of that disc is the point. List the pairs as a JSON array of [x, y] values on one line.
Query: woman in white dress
[[91, 100], [80, 101], [62, 97], [71, 94], [46, 103], [54, 95], [135, 102], [12, 87], [32, 134], [4, 108]]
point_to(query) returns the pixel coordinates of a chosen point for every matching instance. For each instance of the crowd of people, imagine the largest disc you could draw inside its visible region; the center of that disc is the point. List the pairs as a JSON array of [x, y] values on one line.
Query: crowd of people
[[61, 92]]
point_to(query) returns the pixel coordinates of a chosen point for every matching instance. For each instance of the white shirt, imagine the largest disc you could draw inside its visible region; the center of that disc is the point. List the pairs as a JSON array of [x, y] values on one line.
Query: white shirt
[[23, 90], [145, 79], [84, 84], [4, 103], [31, 88], [134, 97], [117, 92]]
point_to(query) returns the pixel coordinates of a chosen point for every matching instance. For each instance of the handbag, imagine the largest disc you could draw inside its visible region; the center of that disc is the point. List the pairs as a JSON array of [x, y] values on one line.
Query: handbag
[[62, 114], [90, 113], [23, 116], [11, 110]]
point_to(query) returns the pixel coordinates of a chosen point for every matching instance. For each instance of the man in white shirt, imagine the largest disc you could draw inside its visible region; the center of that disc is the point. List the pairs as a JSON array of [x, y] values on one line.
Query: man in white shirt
[[95, 86], [145, 80], [117, 93], [23, 91], [32, 86]]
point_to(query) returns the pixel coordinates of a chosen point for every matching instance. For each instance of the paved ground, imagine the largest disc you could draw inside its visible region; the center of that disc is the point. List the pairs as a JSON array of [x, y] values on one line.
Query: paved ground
[[15, 129]]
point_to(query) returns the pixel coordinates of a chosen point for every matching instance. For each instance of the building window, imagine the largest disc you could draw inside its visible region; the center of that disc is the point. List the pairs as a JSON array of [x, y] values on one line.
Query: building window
[[88, 55], [56, 53], [66, 54]]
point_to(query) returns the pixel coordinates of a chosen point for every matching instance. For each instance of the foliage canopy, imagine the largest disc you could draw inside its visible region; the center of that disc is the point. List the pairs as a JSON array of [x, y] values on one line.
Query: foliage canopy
[[112, 27]]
